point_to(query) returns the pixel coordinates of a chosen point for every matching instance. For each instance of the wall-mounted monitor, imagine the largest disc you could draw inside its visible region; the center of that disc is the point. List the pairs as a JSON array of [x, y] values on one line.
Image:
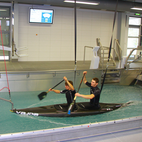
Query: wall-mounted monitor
[[37, 15]]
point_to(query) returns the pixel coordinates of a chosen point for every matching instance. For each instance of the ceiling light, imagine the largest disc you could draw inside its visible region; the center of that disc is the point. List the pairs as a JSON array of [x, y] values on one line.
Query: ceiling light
[[136, 8], [82, 2]]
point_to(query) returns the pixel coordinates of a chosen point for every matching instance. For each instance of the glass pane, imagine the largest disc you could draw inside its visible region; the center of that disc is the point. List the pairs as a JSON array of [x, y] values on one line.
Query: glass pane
[[133, 53], [5, 52], [132, 42], [134, 21], [5, 27], [4, 11], [5, 24], [133, 32], [6, 38], [6, 55], [128, 51], [2, 58]]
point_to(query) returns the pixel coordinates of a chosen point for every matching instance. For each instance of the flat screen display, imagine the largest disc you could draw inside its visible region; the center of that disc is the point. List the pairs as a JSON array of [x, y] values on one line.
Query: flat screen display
[[41, 16]]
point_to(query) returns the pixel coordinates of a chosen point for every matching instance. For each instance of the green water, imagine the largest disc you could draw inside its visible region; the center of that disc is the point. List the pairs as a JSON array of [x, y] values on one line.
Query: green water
[[13, 123]]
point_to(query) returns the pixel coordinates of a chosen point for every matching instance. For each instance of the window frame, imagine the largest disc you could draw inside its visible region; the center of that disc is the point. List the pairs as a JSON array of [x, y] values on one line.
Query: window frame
[[139, 37], [5, 33]]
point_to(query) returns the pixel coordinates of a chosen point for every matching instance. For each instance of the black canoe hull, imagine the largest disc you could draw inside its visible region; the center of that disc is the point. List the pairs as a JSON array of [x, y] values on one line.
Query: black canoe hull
[[60, 110]]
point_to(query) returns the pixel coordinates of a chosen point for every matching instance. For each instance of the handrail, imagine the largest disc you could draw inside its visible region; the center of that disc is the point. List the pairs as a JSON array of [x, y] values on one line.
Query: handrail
[[85, 50], [20, 49], [118, 51], [118, 44], [103, 48], [116, 54], [138, 58]]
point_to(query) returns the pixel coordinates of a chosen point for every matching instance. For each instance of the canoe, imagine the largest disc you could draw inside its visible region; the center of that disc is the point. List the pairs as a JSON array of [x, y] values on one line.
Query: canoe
[[60, 110]]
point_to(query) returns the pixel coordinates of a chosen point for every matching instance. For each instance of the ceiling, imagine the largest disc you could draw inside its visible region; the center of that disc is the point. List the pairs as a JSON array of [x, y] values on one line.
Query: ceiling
[[109, 5]]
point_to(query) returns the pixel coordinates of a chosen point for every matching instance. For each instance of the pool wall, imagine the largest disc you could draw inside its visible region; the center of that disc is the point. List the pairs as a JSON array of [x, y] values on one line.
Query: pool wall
[[40, 81]]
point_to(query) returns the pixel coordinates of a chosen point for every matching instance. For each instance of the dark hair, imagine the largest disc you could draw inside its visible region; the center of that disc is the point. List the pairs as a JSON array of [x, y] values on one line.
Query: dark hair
[[69, 82], [96, 79]]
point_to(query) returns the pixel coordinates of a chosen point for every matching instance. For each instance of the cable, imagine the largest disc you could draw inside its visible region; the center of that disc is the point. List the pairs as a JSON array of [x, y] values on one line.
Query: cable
[[4, 64], [110, 44]]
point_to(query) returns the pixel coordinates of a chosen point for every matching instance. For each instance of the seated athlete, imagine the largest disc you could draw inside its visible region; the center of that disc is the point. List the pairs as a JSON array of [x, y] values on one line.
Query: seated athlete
[[94, 95], [69, 91]]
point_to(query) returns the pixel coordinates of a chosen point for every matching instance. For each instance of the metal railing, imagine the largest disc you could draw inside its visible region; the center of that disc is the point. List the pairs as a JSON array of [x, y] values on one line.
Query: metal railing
[[103, 52], [85, 51], [19, 50], [12, 105], [118, 50], [138, 58]]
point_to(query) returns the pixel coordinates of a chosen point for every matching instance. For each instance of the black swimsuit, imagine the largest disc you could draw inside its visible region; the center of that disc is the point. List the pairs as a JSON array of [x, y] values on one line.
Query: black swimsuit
[[69, 95], [96, 91]]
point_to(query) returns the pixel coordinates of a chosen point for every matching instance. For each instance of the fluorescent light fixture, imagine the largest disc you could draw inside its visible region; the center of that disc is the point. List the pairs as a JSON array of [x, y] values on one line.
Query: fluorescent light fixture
[[81, 2], [136, 8]]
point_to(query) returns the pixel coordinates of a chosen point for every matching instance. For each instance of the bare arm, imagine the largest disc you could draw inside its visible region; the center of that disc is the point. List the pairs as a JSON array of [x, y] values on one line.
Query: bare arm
[[84, 79], [91, 96], [56, 91], [70, 85]]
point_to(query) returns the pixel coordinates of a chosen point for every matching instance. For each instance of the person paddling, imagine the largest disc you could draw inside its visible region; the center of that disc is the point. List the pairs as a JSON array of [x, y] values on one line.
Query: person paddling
[[69, 90], [94, 95]]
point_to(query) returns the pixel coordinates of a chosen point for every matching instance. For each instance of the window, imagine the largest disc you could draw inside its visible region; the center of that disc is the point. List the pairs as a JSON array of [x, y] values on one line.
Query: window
[[5, 27], [134, 21], [134, 32]]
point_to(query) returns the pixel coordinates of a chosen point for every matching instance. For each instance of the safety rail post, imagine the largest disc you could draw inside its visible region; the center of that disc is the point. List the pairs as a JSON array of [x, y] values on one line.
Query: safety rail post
[[8, 101]]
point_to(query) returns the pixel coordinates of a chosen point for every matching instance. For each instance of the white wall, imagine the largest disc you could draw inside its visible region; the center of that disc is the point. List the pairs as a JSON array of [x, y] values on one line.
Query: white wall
[[55, 42]]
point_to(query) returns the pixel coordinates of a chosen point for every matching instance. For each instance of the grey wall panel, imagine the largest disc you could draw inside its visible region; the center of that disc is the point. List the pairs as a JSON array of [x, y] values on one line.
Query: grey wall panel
[[42, 81]]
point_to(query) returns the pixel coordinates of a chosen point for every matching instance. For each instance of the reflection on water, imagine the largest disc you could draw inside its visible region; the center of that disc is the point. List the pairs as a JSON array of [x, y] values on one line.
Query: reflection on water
[[11, 122]]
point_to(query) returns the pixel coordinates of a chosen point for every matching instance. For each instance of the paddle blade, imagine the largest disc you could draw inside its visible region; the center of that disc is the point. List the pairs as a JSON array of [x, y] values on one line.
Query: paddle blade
[[42, 95]]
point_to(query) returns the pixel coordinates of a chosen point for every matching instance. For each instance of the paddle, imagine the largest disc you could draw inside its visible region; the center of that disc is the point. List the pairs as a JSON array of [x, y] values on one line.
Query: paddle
[[72, 104], [43, 94]]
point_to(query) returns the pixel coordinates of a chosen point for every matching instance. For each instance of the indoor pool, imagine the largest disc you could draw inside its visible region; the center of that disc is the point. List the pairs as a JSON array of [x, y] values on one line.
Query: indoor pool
[[13, 123]]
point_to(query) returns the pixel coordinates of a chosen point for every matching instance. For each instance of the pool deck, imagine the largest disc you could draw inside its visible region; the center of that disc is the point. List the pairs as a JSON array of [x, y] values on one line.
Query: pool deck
[[44, 65], [123, 130]]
